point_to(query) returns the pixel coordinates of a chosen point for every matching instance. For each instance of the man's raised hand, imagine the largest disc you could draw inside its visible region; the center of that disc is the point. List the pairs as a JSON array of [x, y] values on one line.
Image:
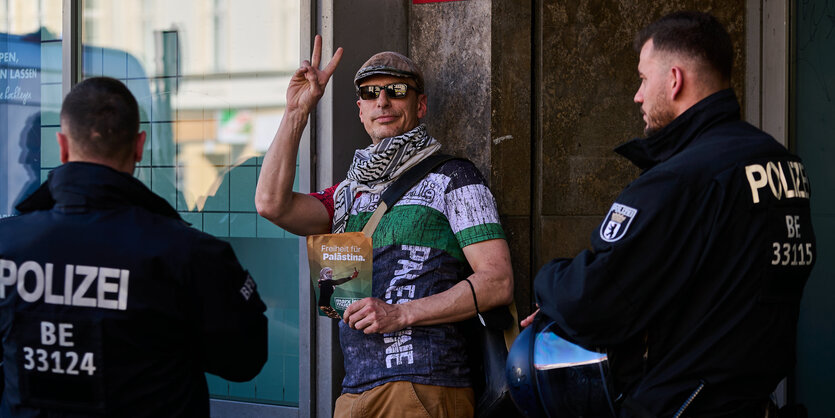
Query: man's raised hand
[[308, 82]]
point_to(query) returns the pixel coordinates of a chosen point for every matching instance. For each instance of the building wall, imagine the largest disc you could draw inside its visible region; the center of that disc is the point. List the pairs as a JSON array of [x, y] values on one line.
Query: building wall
[[538, 94]]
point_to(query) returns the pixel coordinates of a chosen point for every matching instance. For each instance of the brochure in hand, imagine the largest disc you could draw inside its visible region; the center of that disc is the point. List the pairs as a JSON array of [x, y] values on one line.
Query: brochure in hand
[[340, 270]]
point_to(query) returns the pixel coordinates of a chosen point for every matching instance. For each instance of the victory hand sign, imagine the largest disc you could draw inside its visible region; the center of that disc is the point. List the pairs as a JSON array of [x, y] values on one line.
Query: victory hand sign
[[308, 82]]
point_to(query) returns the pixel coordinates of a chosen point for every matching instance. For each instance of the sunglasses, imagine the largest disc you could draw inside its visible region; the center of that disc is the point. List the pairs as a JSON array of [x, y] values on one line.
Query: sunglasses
[[393, 91]]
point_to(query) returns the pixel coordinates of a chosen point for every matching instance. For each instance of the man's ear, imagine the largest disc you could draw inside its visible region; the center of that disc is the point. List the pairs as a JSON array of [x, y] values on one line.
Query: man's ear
[[676, 82], [140, 146], [63, 146], [421, 110], [359, 101]]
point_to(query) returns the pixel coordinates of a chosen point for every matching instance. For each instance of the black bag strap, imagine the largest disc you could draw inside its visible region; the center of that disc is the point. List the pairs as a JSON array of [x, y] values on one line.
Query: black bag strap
[[400, 186]]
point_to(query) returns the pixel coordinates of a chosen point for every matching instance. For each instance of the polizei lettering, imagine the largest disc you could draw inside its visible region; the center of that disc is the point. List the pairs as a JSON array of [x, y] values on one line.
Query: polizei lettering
[[88, 286], [784, 179]]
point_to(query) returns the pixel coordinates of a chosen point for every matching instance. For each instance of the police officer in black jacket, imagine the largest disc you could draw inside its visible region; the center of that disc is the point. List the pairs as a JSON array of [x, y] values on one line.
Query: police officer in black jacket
[[695, 276], [110, 304]]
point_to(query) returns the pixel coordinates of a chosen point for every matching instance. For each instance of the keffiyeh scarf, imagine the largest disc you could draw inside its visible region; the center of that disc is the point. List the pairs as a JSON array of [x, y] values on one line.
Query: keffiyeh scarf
[[375, 167]]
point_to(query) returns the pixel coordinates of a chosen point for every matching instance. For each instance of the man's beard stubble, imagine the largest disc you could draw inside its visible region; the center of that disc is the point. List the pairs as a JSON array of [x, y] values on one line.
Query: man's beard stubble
[[658, 117]]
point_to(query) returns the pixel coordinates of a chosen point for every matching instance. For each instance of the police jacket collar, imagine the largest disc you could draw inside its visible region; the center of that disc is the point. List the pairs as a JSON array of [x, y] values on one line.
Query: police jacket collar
[[645, 153], [79, 186]]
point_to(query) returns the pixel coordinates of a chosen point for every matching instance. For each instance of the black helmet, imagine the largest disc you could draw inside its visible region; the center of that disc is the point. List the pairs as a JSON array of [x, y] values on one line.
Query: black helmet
[[550, 377]]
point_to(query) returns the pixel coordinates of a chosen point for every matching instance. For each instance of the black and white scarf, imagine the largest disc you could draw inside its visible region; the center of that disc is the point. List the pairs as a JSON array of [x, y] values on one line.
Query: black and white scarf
[[375, 167]]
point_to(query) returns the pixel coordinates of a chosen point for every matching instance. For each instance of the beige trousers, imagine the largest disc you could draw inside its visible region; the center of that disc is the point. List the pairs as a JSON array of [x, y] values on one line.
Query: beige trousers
[[407, 400]]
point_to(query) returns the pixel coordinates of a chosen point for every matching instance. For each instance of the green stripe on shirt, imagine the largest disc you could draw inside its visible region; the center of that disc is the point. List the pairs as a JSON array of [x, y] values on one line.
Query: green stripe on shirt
[[479, 233], [425, 227]]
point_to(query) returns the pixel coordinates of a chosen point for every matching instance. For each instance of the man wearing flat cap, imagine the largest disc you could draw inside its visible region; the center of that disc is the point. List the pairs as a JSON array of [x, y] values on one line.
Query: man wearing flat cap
[[404, 349]]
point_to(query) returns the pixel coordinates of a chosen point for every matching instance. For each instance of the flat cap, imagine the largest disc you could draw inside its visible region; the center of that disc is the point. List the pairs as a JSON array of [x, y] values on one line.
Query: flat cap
[[393, 64]]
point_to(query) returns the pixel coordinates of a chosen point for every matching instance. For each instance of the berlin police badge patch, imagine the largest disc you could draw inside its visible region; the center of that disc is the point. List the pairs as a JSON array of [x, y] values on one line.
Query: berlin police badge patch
[[617, 222]]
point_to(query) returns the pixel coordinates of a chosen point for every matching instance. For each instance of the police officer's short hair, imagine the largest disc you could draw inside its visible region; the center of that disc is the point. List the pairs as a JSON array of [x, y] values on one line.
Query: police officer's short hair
[[694, 34], [102, 117]]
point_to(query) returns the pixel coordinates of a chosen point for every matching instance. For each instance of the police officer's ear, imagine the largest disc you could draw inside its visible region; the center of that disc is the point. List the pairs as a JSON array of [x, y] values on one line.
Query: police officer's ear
[[139, 147], [676, 81], [63, 146]]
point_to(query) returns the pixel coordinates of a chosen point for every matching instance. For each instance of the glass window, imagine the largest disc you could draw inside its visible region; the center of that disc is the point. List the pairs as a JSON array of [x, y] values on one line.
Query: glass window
[[31, 16], [30, 95]]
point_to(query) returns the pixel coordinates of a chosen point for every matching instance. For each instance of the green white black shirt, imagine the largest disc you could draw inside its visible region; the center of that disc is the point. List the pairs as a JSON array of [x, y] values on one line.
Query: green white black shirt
[[418, 252]]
